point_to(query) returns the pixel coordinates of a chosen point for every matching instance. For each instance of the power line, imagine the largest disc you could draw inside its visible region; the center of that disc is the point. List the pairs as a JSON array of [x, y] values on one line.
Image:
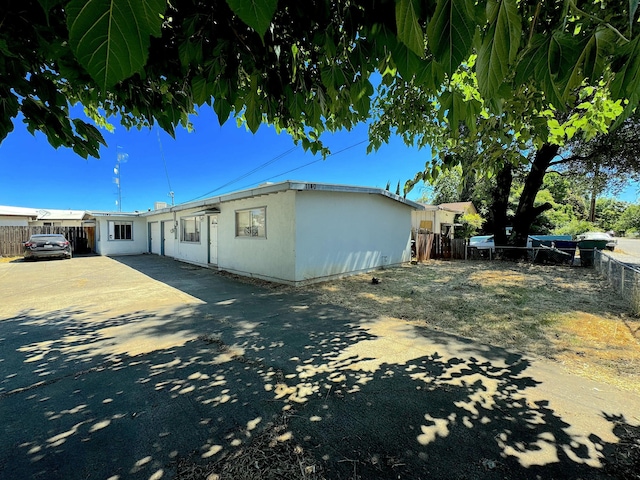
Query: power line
[[251, 172], [307, 164], [171, 194]]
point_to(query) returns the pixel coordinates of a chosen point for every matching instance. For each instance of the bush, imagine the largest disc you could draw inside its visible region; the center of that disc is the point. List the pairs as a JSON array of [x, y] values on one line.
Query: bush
[[471, 223], [576, 227]]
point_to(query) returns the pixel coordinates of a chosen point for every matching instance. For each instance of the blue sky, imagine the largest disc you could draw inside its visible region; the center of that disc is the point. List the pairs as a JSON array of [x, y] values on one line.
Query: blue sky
[[207, 162], [198, 164]]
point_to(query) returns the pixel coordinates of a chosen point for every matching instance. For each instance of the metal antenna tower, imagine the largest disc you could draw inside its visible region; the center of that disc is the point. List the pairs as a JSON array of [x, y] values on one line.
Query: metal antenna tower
[[121, 158]]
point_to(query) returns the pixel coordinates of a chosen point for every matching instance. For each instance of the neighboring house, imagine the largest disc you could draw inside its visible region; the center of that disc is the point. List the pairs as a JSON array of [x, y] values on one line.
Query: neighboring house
[[17, 216], [40, 217], [61, 218], [288, 232], [439, 218]]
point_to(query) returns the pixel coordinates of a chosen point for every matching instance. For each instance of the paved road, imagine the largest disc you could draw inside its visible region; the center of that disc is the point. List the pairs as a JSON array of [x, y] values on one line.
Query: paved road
[[117, 368], [627, 251]]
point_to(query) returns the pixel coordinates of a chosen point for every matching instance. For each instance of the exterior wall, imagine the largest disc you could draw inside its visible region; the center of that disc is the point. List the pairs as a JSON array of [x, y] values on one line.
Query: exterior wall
[[418, 216], [171, 245], [436, 217], [271, 258], [56, 223], [343, 233], [137, 245], [311, 235], [11, 221]]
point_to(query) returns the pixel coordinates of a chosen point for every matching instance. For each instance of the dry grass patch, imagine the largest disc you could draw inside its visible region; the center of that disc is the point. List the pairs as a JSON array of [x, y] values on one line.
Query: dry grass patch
[[566, 314]]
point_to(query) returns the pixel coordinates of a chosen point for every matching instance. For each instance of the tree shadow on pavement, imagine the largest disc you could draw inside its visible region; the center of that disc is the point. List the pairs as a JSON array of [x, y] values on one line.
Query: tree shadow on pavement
[[132, 394]]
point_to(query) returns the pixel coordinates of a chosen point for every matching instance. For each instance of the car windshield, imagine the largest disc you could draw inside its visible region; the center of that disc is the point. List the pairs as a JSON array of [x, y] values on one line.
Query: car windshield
[[481, 239]]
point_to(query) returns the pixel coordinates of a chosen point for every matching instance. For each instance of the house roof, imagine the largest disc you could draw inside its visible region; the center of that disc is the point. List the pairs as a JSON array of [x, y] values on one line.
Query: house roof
[[50, 214], [456, 207], [459, 207], [269, 188], [42, 213], [9, 211]]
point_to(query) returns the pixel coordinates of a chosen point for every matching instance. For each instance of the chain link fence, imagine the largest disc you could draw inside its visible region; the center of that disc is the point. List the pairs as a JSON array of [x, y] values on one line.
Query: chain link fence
[[623, 278]]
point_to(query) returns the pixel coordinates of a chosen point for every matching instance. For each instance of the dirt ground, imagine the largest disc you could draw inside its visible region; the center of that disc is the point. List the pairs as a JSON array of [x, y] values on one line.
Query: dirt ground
[[567, 314]]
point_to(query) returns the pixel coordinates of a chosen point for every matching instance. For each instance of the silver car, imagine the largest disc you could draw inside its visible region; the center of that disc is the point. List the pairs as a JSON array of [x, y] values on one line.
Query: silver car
[[47, 245]]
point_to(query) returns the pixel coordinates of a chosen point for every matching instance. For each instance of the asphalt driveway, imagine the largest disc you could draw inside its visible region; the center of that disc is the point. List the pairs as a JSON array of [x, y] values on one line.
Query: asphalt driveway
[[115, 368]]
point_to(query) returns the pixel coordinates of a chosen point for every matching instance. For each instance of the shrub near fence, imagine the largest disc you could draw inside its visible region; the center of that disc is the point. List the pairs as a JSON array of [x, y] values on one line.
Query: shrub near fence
[[623, 278], [12, 238]]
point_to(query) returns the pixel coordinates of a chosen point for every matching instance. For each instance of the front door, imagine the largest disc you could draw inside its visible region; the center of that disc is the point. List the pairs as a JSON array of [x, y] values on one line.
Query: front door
[[168, 234], [213, 239]]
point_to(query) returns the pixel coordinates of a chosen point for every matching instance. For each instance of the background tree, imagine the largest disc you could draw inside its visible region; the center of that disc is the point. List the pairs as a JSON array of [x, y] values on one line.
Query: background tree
[[605, 164], [608, 212], [522, 140], [629, 221]]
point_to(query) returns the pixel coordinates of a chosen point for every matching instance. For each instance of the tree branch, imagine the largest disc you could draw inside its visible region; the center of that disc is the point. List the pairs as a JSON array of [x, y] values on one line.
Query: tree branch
[[541, 209]]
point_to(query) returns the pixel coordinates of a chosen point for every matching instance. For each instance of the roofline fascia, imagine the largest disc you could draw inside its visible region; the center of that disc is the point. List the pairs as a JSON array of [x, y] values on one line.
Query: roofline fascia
[[281, 187]]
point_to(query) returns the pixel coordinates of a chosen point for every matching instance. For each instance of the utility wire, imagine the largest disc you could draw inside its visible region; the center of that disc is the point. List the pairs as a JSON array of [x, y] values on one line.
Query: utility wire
[[171, 194], [251, 172], [306, 164]]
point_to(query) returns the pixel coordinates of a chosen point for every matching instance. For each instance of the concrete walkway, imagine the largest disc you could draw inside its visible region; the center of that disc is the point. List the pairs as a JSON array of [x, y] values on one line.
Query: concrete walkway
[[117, 368]]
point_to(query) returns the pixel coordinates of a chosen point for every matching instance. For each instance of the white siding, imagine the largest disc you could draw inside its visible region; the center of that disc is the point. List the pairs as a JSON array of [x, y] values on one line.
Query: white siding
[[271, 258], [193, 252], [106, 246], [11, 221], [342, 233]]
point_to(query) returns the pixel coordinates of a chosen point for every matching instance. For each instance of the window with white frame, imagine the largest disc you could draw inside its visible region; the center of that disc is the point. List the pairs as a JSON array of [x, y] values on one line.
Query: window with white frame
[[251, 223], [120, 230], [190, 229]]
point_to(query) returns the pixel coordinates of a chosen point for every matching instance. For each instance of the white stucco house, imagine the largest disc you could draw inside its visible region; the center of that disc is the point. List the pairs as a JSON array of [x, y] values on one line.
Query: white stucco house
[[289, 232]]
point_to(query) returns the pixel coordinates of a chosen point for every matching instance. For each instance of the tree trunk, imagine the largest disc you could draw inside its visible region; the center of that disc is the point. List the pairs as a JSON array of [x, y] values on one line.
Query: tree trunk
[[594, 194], [527, 212], [500, 204]]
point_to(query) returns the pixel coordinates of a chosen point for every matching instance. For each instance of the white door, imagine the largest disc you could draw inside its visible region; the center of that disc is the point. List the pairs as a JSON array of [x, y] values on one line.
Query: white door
[[168, 237], [154, 230], [213, 239]]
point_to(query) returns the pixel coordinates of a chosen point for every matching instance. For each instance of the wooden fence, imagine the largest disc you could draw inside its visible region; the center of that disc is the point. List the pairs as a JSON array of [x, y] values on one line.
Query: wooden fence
[[12, 238], [433, 246]]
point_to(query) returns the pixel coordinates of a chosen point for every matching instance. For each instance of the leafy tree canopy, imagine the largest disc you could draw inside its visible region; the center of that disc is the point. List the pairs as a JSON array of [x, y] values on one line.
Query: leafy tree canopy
[[304, 67], [629, 220]]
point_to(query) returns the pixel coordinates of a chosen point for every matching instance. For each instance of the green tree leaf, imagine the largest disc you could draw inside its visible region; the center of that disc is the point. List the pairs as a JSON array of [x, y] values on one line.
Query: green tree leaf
[[499, 46], [409, 31], [633, 6], [450, 33], [223, 109], [627, 79], [537, 64], [110, 38], [586, 60], [255, 13], [253, 114], [199, 90]]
